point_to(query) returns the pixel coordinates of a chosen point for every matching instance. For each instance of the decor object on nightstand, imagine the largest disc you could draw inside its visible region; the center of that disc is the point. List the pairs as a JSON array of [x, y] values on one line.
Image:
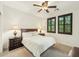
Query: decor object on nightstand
[[15, 33], [15, 28]]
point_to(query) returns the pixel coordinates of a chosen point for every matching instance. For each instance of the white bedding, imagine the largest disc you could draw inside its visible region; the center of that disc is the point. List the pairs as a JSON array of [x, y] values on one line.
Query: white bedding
[[38, 44]]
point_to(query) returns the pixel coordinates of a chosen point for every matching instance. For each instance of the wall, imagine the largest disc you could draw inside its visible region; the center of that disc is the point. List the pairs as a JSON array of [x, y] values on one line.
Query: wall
[[64, 8], [1, 44], [12, 17]]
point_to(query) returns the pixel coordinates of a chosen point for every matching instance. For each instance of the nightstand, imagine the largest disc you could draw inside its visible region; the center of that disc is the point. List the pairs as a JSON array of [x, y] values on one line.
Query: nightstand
[[15, 43], [42, 34]]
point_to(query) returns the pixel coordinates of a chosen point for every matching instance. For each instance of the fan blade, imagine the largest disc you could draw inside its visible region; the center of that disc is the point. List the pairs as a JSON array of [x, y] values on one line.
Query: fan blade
[[47, 11], [46, 2], [42, 3], [36, 5], [51, 6], [39, 10]]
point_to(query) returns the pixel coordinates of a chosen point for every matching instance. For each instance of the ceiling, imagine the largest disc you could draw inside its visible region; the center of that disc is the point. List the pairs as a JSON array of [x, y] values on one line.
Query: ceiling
[[27, 6]]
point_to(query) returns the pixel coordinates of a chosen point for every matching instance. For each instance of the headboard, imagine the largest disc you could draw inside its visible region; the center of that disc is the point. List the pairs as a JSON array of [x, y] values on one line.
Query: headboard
[[28, 30]]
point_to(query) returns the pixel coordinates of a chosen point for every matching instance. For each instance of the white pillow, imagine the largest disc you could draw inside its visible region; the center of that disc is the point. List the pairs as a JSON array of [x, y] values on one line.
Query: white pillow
[[26, 35], [29, 34], [33, 33]]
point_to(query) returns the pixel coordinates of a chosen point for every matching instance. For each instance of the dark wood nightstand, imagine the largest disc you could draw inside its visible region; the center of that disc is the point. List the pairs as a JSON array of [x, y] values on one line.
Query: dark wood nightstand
[[15, 43], [42, 34]]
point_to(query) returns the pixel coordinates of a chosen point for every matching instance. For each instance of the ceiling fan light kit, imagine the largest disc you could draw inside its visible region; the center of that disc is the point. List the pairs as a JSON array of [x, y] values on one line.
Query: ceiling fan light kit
[[44, 8]]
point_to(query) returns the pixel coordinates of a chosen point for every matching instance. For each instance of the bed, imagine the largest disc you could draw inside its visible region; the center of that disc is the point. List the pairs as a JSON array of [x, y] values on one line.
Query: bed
[[35, 43]]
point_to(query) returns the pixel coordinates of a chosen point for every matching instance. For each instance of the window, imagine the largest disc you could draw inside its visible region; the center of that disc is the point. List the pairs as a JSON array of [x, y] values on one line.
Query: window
[[65, 24], [51, 25]]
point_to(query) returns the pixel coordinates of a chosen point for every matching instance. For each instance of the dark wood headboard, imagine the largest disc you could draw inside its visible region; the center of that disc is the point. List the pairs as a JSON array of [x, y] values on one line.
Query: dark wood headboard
[[28, 30]]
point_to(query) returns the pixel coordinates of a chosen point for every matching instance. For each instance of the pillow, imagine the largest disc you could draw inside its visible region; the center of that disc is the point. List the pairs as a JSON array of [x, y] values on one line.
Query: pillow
[[33, 33], [29, 34], [74, 52], [25, 35]]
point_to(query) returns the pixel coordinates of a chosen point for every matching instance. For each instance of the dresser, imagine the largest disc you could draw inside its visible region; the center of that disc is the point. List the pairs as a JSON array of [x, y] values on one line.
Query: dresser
[[15, 43]]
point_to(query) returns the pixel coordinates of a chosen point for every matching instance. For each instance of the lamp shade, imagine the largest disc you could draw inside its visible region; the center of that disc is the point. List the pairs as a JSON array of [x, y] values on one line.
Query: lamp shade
[[14, 27]]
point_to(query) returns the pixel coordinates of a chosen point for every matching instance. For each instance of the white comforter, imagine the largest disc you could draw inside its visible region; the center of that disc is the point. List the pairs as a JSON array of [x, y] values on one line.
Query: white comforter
[[38, 44]]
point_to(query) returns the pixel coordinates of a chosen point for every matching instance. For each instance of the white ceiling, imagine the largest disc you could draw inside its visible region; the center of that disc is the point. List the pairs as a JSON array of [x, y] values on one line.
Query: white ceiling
[[27, 6]]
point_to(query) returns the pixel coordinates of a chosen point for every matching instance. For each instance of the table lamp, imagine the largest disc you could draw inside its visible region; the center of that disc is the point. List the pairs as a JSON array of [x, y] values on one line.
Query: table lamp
[[39, 29], [15, 28]]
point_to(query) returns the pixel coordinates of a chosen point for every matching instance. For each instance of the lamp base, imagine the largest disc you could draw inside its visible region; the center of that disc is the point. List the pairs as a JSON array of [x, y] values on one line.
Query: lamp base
[[15, 33]]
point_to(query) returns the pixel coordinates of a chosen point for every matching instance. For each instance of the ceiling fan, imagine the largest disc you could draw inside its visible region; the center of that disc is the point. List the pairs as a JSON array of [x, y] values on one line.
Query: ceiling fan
[[44, 6]]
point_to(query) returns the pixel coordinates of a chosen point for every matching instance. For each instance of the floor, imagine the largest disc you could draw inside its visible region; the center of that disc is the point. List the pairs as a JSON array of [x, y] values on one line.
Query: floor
[[53, 52], [23, 52]]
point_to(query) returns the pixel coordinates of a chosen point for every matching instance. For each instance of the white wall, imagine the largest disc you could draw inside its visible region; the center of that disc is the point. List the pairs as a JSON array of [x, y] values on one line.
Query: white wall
[[1, 46], [12, 17], [67, 7]]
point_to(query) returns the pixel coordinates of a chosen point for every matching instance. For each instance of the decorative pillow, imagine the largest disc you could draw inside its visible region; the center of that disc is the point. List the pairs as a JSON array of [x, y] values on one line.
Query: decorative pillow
[[74, 52]]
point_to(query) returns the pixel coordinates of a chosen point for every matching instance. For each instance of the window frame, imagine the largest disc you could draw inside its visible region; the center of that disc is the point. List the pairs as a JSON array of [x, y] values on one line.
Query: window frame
[[54, 25], [70, 33]]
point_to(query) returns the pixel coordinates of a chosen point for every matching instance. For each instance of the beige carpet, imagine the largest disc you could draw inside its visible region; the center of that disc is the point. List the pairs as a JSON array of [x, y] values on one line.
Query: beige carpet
[[23, 52], [19, 52]]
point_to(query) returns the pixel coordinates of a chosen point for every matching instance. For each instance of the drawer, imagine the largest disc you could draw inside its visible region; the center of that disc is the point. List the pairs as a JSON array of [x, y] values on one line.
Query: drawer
[[14, 43]]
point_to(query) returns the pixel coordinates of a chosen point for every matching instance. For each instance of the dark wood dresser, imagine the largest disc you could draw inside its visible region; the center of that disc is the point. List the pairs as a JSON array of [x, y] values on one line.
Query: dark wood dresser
[[15, 43]]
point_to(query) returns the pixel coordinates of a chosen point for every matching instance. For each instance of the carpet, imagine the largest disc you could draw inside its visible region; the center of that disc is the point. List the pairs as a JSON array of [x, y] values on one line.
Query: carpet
[[23, 52]]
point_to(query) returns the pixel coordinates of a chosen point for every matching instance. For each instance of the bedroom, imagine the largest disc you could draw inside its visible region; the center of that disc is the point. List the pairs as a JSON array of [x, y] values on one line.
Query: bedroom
[[16, 15]]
